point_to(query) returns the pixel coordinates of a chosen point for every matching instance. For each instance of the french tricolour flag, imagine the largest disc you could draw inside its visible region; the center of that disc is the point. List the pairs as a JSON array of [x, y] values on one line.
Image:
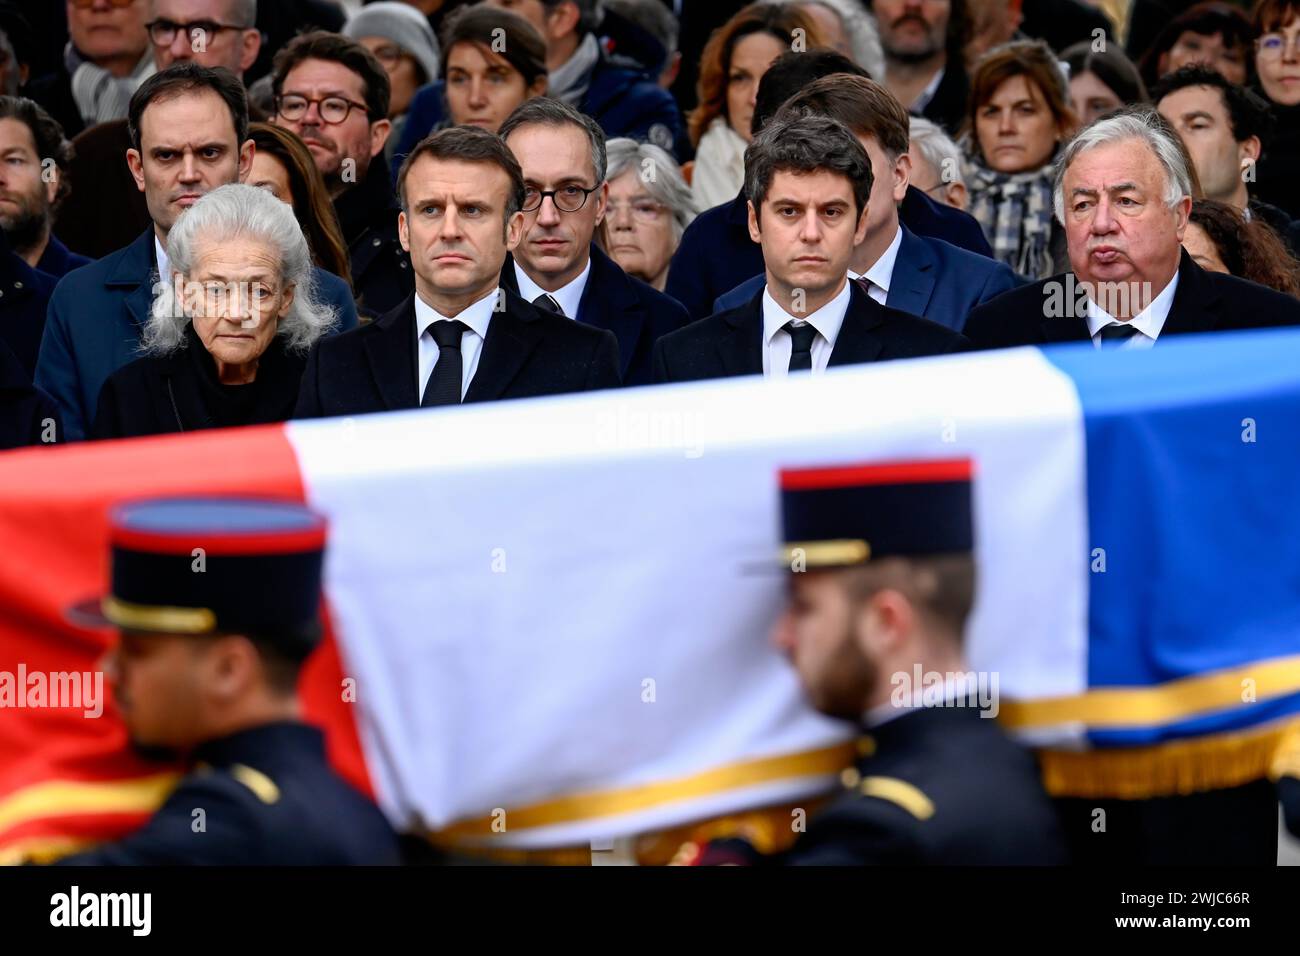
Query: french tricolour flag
[[549, 619]]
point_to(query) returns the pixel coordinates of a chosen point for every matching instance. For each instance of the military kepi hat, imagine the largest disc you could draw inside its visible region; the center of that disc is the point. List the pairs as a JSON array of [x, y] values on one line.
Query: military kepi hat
[[849, 515], [217, 566]]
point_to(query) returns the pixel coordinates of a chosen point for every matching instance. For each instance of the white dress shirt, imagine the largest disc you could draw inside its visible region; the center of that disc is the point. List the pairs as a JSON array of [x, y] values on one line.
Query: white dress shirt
[[882, 271], [777, 344], [569, 296], [477, 316], [164, 264], [1148, 322]]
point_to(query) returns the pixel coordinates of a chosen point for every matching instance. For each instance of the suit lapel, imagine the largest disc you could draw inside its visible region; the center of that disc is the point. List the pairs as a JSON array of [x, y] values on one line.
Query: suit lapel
[[136, 270], [741, 346], [512, 335], [609, 302], [912, 282], [859, 339], [1196, 301], [390, 351]]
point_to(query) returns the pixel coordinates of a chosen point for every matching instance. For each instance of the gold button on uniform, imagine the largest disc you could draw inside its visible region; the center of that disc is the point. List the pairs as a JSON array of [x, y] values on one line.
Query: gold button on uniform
[[850, 778], [866, 745]]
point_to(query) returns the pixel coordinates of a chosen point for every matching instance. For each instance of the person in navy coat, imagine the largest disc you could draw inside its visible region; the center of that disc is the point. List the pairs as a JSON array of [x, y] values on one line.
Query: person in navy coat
[[716, 253], [97, 313], [24, 296], [556, 266], [917, 274], [810, 178]]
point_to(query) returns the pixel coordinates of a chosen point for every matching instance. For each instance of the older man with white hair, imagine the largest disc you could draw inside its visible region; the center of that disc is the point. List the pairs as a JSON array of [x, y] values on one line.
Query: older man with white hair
[[1123, 192]]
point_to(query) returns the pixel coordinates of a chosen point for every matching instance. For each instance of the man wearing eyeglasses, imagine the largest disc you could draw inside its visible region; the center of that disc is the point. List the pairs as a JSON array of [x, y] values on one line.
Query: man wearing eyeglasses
[[209, 32], [106, 59], [333, 93], [461, 337], [556, 266]]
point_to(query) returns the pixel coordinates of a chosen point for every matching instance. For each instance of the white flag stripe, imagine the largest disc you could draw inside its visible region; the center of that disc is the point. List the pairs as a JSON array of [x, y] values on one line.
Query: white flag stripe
[[562, 595]]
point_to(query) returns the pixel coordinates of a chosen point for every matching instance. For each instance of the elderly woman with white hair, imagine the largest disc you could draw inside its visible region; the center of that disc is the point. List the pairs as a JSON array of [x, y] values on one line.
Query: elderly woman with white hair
[[649, 208], [227, 337]]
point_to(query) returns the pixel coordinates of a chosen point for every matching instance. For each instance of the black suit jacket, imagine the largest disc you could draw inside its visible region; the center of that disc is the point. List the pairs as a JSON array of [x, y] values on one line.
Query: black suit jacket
[[731, 343], [638, 314], [527, 353], [940, 785], [1203, 302]]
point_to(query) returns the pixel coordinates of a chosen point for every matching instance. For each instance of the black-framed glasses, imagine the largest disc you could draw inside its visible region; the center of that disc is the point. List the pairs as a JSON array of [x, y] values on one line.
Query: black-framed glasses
[[333, 109], [568, 198], [163, 32]]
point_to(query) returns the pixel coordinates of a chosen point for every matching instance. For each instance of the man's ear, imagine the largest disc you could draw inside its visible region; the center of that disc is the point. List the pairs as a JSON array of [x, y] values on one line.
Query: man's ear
[[52, 187], [246, 153], [1250, 148], [902, 176], [514, 231], [885, 620], [136, 165], [1182, 213], [232, 664], [860, 233], [404, 230], [957, 196], [252, 45], [755, 233], [379, 131], [602, 201]]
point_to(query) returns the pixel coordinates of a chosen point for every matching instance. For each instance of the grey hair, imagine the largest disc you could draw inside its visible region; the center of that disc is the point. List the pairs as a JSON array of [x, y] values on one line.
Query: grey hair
[[548, 111], [234, 212], [242, 12], [1142, 123], [666, 185], [935, 146], [861, 30]]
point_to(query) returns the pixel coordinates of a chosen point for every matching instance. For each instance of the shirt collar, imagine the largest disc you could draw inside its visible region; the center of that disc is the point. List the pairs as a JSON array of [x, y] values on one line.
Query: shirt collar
[[883, 268], [477, 315], [927, 94], [826, 320], [160, 256], [569, 296], [1149, 321]]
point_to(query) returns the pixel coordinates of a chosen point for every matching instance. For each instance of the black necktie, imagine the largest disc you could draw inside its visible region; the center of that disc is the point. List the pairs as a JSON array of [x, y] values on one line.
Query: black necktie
[[549, 303], [444, 383], [1116, 334], [801, 339]]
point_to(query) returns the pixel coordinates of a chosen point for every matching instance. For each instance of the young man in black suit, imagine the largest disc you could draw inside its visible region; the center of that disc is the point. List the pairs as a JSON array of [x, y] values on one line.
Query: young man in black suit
[[808, 180], [556, 265], [459, 337], [1124, 192]]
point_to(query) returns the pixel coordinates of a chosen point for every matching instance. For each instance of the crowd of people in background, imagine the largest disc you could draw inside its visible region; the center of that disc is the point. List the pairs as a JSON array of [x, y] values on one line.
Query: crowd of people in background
[[152, 148]]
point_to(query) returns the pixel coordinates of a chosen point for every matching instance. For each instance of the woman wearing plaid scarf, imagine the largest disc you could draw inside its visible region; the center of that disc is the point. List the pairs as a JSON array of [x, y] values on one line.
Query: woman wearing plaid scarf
[[1017, 118]]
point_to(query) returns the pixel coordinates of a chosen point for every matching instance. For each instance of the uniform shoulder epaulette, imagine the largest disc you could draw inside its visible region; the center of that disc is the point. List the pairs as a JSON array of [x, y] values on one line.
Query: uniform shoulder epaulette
[[900, 793]]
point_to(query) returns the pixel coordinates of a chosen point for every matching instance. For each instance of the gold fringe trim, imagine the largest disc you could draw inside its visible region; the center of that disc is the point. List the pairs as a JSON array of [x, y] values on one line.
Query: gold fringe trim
[[1172, 769]]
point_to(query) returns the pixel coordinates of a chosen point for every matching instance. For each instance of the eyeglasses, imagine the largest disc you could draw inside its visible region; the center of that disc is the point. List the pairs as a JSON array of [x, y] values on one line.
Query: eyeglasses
[[333, 109], [1271, 46], [643, 210], [389, 55], [87, 4], [163, 32], [567, 198]]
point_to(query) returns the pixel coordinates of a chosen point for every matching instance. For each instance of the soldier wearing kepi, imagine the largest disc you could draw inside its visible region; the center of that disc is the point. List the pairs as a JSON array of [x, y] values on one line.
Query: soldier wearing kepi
[[882, 582], [212, 642]]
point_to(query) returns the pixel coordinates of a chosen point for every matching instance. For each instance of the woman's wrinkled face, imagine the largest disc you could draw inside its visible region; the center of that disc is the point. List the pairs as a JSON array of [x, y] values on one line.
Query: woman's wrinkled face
[[235, 298], [638, 229]]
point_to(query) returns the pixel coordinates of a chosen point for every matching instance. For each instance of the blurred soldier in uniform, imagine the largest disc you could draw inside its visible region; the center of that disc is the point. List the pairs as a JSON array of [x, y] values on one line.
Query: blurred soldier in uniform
[[882, 581], [218, 603]]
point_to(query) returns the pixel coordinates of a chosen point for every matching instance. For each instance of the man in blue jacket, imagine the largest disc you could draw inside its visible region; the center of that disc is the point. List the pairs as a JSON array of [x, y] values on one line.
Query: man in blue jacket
[[716, 253], [556, 266], [189, 127], [917, 274], [614, 91]]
